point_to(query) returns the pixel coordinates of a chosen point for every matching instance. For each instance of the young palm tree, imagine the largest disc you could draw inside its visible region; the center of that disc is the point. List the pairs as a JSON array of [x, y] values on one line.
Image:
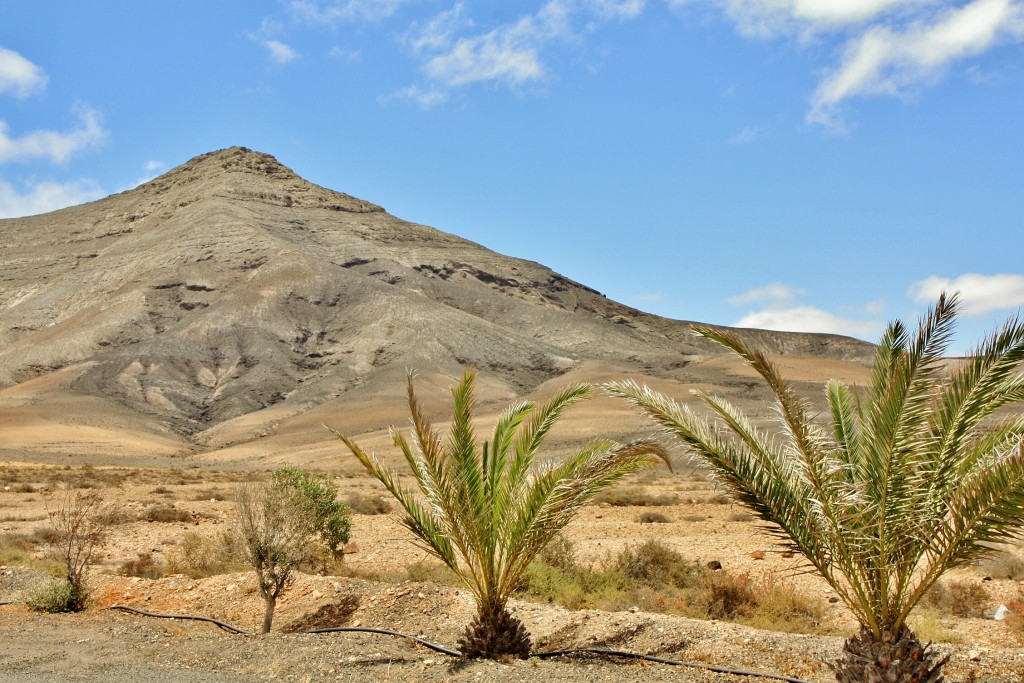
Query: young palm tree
[[484, 510], [913, 477]]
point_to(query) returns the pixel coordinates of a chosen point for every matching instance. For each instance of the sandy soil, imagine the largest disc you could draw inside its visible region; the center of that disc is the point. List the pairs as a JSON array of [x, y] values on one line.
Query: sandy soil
[[703, 526]]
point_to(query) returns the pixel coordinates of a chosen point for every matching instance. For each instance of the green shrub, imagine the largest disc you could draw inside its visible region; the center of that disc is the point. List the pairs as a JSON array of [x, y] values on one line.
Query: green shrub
[[58, 596]]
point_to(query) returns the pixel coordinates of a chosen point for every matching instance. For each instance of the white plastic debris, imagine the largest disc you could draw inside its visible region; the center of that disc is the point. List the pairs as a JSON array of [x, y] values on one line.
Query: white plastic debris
[[1001, 612]]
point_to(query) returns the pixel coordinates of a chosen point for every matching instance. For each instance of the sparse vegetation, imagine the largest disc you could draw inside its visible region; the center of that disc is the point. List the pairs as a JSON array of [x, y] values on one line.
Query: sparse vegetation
[[634, 497], [77, 533], [143, 566], [656, 578], [198, 556], [165, 514], [960, 597], [916, 476], [485, 513]]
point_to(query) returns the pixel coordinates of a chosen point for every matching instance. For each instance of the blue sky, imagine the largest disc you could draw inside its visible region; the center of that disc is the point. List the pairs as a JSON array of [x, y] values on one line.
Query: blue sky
[[816, 165]]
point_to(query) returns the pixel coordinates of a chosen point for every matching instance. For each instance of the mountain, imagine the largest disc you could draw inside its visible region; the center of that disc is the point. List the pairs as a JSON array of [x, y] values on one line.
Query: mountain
[[217, 302]]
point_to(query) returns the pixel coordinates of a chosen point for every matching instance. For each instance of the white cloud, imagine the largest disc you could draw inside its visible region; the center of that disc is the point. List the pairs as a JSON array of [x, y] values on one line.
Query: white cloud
[[425, 98], [341, 53], [886, 47], [809, 319], [780, 310], [511, 53], [887, 61], [42, 197], [19, 76], [56, 146], [279, 52], [747, 135], [979, 294], [616, 9], [776, 294], [331, 12]]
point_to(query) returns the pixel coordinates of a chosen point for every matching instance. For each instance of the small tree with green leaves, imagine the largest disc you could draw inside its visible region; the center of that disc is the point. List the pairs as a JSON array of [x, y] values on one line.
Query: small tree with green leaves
[[284, 524], [486, 511], [77, 524], [914, 476]]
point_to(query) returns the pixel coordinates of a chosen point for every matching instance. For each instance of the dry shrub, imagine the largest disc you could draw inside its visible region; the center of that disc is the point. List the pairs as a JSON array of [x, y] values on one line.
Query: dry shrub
[[560, 553], [653, 563], [23, 488], [740, 517], [165, 513], [432, 571], [653, 518], [210, 494], [959, 597], [199, 556], [161, 490], [1004, 565], [1015, 616], [634, 497], [144, 566], [366, 504]]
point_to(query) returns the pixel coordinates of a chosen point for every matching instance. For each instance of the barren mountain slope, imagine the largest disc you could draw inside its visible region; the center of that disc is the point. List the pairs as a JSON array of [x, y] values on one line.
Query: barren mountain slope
[[229, 294]]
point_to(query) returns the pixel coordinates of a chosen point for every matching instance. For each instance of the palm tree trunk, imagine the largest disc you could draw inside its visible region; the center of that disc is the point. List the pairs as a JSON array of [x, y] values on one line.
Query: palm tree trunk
[[897, 656], [495, 634]]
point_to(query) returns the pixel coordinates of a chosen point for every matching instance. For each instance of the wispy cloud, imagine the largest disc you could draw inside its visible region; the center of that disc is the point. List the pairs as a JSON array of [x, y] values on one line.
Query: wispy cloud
[[778, 309], [775, 294], [747, 135], [331, 12], [884, 60], [886, 47], [41, 197], [979, 294], [424, 97], [280, 52], [808, 319], [454, 52], [18, 76], [53, 145]]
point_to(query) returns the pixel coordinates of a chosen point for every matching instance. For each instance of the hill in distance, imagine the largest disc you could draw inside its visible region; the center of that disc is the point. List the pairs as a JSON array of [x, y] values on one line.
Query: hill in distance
[[222, 312]]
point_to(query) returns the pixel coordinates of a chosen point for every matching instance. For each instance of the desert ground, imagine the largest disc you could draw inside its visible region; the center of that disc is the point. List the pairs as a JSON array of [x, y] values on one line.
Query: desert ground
[[165, 507]]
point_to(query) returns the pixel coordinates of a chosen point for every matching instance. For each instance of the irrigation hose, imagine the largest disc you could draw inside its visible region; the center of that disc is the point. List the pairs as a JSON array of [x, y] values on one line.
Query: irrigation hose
[[455, 653], [221, 624], [662, 660]]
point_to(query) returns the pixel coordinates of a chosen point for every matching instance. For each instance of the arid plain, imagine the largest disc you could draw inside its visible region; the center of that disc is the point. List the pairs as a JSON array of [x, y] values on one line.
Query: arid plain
[[162, 346]]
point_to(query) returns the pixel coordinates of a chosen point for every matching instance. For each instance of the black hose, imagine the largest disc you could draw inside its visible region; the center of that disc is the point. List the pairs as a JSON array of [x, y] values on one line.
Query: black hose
[[455, 653], [221, 624], [661, 660]]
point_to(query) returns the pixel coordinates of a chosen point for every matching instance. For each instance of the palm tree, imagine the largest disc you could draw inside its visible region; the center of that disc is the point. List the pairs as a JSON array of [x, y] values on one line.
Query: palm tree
[[913, 477], [484, 510]]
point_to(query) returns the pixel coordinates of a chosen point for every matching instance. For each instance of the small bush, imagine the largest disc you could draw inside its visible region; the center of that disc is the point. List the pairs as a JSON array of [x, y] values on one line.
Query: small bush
[[210, 494], [653, 563], [560, 553], [23, 488], [634, 497], [145, 566], [57, 596], [962, 598], [1004, 565], [364, 504], [163, 490], [740, 517], [199, 556], [653, 518], [165, 513], [432, 571]]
